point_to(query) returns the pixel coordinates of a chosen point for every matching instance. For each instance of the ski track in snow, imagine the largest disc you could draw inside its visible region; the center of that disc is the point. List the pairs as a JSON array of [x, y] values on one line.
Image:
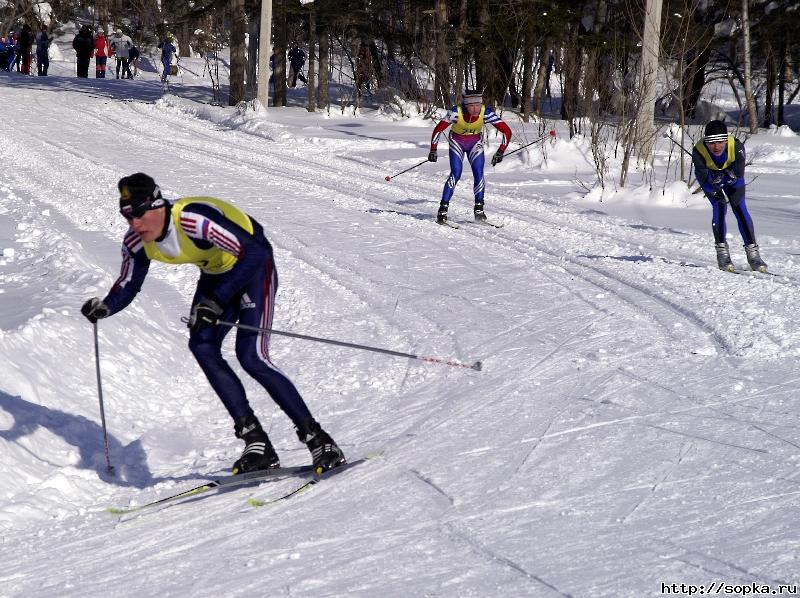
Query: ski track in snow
[[635, 421]]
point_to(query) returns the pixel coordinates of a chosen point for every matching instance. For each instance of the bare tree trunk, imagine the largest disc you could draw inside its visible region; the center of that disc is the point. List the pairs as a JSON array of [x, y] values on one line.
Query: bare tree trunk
[[651, 36], [252, 57], [695, 80], [183, 39], [571, 78], [748, 81], [484, 60], [312, 49], [527, 74], [324, 64], [442, 69], [590, 83], [102, 14], [279, 51], [783, 74], [461, 61], [772, 75], [538, 89], [238, 58]]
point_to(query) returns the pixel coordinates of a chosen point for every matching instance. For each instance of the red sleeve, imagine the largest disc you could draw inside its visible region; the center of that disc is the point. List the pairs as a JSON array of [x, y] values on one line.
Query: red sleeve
[[505, 130], [443, 124]]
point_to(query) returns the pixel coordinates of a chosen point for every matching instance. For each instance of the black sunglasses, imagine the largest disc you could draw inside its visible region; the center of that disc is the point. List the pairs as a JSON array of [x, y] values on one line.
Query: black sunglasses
[[130, 212]]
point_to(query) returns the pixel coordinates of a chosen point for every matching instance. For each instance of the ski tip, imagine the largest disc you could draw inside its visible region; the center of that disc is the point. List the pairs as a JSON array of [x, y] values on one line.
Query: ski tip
[[478, 365], [116, 511], [387, 178], [254, 502]]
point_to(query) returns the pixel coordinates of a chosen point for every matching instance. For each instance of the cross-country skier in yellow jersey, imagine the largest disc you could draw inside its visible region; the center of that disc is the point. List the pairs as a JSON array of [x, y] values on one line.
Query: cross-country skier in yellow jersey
[[466, 137], [237, 282], [719, 162]]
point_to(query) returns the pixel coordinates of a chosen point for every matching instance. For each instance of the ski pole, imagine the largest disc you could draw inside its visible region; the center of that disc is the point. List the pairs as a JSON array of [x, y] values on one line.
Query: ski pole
[[545, 136], [680, 145], [475, 366], [389, 178], [100, 394]]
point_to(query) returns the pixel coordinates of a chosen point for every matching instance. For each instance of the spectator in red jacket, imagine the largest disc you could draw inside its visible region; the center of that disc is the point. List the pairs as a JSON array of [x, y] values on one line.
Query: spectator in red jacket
[[100, 54]]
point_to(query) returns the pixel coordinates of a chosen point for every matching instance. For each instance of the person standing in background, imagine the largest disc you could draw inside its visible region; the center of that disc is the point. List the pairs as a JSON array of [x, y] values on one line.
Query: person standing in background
[[43, 41], [24, 44], [133, 58], [121, 45], [83, 44], [100, 55], [297, 59]]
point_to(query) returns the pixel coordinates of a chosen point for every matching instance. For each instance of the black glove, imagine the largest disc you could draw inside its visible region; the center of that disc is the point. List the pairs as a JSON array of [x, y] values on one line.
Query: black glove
[[205, 313], [432, 157], [94, 310], [497, 158]]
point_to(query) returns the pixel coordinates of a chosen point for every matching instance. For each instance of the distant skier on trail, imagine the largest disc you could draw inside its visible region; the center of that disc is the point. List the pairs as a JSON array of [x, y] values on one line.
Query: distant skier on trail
[[167, 50], [466, 123], [238, 282], [719, 161]]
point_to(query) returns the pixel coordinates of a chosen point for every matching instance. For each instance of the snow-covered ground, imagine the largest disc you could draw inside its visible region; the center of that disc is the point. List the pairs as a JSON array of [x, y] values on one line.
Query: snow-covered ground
[[635, 423]]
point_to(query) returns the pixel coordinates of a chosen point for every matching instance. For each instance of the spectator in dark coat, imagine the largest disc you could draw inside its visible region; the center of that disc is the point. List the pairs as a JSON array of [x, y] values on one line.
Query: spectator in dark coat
[[43, 41], [133, 58], [83, 44], [25, 42], [297, 59]]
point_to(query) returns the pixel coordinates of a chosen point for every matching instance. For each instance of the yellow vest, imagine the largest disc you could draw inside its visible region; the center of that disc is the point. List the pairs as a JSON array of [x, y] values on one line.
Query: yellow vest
[[211, 261], [462, 127], [730, 159]]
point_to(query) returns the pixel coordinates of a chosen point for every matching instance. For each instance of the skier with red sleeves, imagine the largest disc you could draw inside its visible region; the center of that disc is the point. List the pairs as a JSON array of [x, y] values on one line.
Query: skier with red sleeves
[[237, 282], [466, 123]]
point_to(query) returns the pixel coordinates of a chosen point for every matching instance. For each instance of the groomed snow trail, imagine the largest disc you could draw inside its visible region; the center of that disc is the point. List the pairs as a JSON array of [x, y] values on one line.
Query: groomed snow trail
[[635, 422]]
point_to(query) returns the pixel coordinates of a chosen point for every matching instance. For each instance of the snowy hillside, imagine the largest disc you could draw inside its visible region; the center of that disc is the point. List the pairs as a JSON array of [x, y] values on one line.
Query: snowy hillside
[[636, 422]]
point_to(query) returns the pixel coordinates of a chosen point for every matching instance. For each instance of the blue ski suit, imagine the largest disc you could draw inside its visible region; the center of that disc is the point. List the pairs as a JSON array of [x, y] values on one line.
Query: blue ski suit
[[722, 180], [238, 273]]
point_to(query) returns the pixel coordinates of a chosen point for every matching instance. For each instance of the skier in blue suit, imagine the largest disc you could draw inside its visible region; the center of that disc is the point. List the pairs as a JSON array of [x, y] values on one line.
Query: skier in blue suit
[[719, 161]]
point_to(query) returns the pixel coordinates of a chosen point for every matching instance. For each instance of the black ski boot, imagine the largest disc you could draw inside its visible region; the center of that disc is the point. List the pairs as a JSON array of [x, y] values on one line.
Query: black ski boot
[[480, 215], [258, 453], [325, 454], [441, 215], [754, 258], [724, 257]]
